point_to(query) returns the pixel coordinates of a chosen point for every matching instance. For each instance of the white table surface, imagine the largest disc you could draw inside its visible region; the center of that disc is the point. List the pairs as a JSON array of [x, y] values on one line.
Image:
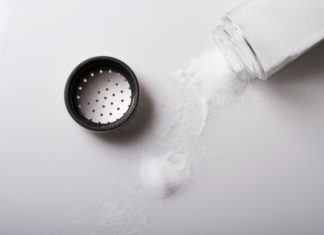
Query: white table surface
[[259, 167]]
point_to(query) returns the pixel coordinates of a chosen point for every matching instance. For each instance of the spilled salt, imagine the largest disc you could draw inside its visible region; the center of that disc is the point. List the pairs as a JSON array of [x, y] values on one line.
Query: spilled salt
[[207, 84], [165, 174], [212, 82]]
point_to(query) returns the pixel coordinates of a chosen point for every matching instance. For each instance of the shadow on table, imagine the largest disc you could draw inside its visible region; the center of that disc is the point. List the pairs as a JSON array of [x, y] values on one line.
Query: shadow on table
[[300, 83], [136, 127], [308, 68]]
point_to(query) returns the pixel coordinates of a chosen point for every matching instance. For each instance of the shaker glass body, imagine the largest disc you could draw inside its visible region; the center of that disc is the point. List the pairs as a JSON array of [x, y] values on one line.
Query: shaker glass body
[[260, 37]]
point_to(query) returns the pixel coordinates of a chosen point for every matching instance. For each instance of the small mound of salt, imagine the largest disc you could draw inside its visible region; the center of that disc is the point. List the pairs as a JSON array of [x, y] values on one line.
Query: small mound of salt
[[166, 174]]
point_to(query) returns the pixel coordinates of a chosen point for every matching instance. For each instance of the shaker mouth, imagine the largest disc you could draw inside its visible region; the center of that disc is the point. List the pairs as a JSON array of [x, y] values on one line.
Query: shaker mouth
[[227, 49], [238, 52]]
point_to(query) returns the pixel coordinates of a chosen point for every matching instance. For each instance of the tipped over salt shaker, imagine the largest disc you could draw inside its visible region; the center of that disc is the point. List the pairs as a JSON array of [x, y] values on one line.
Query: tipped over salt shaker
[[260, 37]]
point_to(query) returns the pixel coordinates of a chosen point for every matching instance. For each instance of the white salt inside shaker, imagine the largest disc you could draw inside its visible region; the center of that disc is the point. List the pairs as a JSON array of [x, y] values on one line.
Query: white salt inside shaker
[[260, 37]]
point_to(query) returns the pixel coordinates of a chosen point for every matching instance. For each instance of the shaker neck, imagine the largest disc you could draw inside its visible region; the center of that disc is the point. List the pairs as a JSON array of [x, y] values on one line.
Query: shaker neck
[[237, 51]]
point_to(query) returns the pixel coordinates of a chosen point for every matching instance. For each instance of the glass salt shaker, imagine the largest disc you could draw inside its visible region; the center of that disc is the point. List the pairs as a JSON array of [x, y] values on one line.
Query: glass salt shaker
[[260, 37]]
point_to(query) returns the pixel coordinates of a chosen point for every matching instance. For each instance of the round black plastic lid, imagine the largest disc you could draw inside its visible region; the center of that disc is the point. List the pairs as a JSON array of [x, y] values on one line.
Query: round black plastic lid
[[102, 94]]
